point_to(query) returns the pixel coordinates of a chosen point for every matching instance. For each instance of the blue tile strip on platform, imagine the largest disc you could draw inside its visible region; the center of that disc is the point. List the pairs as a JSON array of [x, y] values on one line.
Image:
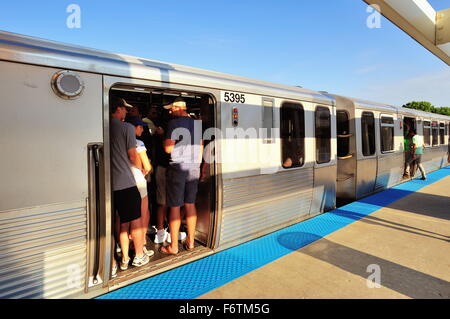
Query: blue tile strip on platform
[[199, 277]]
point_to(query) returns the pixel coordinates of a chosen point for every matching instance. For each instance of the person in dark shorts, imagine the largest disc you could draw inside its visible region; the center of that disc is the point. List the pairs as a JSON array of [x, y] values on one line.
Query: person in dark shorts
[[183, 141], [408, 155], [127, 200], [417, 152]]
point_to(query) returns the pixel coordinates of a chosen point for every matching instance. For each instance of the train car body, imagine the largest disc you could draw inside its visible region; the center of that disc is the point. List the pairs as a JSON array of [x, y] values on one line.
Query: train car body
[[275, 152], [371, 145]]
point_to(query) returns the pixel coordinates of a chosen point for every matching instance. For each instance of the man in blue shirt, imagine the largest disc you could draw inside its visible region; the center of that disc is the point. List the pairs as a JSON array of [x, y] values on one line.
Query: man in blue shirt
[[185, 145]]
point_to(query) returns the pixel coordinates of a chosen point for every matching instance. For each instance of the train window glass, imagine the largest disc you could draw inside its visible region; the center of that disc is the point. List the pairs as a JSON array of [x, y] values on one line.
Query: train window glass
[[442, 133], [343, 136], [368, 133], [435, 133], [292, 131], [426, 133], [267, 118], [387, 134], [323, 135]]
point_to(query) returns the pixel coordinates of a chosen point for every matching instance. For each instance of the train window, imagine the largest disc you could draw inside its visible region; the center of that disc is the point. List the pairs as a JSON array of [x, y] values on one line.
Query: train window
[[292, 135], [387, 134], [267, 118], [435, 133], [442, 133], [323, 135], [343, 136], [368, 133], [426, 133]]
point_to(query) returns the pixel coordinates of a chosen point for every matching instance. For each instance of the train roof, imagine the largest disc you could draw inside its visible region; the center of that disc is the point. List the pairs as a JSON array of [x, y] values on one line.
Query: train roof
[[423, 114], [364, 104], [24, 49]]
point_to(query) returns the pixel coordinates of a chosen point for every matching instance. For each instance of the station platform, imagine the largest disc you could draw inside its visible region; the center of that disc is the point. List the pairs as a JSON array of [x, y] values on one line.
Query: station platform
[[398, 238]]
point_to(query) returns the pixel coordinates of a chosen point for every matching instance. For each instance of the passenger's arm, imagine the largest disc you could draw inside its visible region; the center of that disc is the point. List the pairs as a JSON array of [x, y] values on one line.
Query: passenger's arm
[[133, 156], [201, 152], [413, 150], [146, 166], [169, 145]]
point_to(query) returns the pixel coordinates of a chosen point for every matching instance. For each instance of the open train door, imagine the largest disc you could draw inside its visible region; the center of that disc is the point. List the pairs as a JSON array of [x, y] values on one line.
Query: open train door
[[409, 123], [201, 105]]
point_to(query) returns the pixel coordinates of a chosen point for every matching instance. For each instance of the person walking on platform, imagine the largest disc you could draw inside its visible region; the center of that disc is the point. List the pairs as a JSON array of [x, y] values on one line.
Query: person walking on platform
[[408, 154], [417, 152]]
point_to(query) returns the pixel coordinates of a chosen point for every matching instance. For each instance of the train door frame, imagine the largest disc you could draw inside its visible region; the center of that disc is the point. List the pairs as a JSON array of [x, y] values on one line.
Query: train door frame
[[108, 83], [346, 165], [324, 196], [414, 120], [366, 170]]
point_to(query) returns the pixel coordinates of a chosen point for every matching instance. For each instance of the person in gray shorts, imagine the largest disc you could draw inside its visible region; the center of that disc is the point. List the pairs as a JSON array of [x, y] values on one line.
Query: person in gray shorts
[[184, 143]]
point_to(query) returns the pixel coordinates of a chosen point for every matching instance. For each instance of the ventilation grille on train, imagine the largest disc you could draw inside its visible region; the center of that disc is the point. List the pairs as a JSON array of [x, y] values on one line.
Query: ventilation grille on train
[[43, 252], [254, 206]]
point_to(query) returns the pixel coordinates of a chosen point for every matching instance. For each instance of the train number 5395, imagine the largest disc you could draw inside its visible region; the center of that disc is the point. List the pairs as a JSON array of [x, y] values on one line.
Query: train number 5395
[[234, 97]]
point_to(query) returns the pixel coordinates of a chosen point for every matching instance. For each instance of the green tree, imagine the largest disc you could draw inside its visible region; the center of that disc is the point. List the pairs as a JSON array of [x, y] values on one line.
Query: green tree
[[427, 107]]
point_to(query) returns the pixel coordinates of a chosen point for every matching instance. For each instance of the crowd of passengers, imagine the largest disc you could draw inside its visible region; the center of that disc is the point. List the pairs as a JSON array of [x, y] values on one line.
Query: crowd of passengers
[[175, 168]]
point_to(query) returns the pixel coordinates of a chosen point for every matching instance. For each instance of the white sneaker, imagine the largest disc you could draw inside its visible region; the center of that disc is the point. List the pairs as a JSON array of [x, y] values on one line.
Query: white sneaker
[[141, 261], [160, 236], [124, 265], [114, 270], [181, 236], [149, 253]]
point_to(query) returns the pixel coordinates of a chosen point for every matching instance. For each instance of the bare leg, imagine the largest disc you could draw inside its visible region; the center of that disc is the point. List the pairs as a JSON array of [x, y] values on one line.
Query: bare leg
[[406, 169], [422, 170], [117, 227], [124, 241], [191, 221], [174, 227], [136, 234], [145, 215], [162, 209], [412, 169]]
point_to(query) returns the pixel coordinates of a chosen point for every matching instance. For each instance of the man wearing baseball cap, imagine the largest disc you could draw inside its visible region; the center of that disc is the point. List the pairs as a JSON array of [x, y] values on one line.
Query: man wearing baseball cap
[[127, 200], [183, 141]]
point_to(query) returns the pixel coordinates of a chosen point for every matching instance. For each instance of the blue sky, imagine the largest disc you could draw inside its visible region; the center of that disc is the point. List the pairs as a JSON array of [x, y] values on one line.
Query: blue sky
[[320, 45]]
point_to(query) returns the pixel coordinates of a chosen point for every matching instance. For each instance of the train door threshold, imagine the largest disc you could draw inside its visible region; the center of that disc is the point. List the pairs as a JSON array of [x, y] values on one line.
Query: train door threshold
[[159, 265]]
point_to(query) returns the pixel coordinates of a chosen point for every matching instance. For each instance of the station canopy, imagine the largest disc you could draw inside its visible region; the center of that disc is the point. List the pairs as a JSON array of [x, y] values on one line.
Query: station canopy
[[421, 21]]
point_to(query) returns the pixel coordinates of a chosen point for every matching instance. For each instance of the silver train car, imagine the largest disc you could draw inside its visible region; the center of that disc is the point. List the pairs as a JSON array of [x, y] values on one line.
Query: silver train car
[[281, 155], [371, 146]]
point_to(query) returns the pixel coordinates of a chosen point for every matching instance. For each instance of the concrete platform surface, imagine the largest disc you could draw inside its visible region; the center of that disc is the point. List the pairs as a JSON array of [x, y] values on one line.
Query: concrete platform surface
[[404, 246]]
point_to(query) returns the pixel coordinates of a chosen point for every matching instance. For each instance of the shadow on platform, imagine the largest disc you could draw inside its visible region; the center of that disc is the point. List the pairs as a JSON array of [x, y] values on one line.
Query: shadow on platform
[[404, 280]]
